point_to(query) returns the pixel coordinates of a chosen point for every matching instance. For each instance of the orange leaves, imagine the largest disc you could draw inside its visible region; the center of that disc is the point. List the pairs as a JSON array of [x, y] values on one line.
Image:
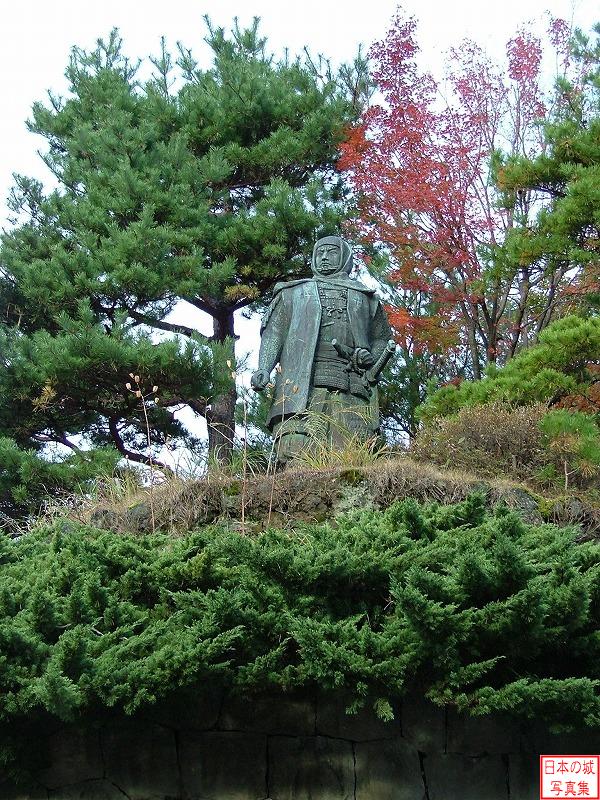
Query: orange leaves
[[353, 146], [423, 333]]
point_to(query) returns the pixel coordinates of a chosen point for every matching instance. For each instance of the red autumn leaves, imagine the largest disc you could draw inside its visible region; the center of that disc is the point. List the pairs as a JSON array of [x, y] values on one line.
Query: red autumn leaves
[[426, 163]]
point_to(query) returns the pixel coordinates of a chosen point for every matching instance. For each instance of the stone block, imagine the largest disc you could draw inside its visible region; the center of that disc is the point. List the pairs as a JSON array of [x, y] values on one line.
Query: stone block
[[223, 765], [197, 709], [524, 504], [387, 770], [536, 738], [141, 760], [524, 776], [292, 715], [71, 755], [475, 736], [423, 724], [455, 777], [332, 720], [88, 790], [22, 791], [303, 768]]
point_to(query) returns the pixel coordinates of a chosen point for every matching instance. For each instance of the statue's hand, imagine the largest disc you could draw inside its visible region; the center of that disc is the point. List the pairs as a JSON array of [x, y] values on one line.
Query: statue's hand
[[363, 358], [259, 380]]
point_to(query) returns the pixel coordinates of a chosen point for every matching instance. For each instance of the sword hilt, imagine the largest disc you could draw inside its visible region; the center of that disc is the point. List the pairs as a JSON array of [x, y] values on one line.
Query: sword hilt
[[375, 371]]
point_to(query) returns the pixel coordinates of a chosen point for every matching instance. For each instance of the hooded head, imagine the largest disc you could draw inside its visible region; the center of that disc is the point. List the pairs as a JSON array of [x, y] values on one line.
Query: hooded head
[[332, 257]]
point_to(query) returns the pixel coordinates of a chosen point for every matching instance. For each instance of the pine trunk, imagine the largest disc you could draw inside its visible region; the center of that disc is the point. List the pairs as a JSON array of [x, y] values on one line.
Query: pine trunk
[[220, 416]]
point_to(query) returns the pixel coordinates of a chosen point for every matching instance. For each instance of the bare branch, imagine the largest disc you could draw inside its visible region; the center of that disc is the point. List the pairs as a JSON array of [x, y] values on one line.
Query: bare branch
[[171, 327], [139, 458]]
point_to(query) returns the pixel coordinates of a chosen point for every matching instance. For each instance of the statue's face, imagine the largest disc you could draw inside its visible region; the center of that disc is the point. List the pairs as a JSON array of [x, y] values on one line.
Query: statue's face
[[328, 259]]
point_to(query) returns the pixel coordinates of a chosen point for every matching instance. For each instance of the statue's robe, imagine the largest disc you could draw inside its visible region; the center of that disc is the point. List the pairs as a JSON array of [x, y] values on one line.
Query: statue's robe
[[290, 333]]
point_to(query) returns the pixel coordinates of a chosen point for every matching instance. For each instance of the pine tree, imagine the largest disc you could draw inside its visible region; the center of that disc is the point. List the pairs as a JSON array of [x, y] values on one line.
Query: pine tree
[[561, 367], [202, 185]]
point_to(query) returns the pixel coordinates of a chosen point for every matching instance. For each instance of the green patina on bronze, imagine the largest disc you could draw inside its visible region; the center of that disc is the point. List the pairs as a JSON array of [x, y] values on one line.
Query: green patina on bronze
[[331, 339]]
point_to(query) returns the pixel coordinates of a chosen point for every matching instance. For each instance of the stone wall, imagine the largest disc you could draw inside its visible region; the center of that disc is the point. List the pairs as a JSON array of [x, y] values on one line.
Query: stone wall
[[210, 747]]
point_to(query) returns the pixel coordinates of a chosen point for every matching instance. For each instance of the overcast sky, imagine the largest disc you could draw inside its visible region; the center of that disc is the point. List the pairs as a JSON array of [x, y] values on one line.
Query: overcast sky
[[36, 37]]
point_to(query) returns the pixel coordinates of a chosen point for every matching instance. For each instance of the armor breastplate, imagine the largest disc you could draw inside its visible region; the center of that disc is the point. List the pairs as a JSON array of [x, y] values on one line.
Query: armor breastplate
[[334, 322], [330, 369]]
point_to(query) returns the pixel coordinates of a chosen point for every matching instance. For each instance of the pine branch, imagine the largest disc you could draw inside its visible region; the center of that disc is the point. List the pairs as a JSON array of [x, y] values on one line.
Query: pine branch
[[59, 438], [197, 405], [162, 325], [202, 305], [131, 454]]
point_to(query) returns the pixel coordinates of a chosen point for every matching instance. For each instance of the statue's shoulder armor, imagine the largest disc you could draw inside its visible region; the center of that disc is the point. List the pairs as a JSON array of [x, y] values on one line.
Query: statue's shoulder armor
[[268, 312], [288, 285], [277, 298], [365, 290]]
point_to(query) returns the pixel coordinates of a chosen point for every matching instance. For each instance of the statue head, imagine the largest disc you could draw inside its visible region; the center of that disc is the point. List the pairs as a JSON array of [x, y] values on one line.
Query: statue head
[[332, 256]]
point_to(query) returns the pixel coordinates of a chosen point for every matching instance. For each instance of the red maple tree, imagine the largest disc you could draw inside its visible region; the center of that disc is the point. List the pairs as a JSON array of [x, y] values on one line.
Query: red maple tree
[[426, 164]]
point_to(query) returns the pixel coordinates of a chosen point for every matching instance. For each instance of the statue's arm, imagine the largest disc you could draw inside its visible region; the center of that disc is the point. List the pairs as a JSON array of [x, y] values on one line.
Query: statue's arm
[[381, 331], [272, 330]]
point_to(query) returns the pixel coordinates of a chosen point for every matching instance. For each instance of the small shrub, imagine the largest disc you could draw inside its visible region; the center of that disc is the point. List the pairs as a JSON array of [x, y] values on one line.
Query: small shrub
[[487, 440], [556, 449], [573, 438]]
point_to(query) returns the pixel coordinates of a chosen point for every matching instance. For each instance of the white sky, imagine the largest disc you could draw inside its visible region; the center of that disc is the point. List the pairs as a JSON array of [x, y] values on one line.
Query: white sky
[[36, 37]]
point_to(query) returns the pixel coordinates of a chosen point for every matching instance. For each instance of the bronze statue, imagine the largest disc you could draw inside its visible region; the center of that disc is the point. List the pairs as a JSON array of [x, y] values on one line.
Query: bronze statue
[[331, 339]]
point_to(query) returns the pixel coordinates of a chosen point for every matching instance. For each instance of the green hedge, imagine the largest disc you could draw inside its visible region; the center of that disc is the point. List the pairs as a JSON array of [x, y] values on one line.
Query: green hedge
[[557, 364], [482, 611]]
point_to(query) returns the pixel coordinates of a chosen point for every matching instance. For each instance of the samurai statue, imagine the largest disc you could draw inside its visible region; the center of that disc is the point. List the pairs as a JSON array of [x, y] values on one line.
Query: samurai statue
[[329, 338]]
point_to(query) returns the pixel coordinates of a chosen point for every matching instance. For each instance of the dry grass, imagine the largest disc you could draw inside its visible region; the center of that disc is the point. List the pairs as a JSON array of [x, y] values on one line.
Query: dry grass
[[491, 440], [354, 452], [299, 494]]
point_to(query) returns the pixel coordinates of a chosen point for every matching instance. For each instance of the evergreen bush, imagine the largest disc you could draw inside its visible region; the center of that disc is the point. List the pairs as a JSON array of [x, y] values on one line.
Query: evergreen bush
[[574, 439], [479, 610], [561, 363]]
